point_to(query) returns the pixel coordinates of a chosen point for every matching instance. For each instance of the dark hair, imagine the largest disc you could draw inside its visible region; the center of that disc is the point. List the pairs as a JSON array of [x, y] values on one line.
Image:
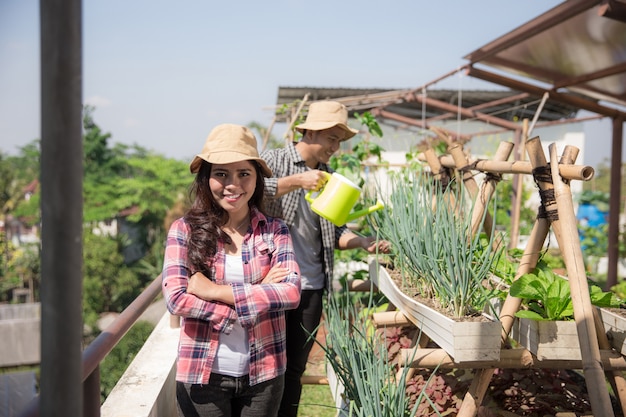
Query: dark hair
[[206, 217]]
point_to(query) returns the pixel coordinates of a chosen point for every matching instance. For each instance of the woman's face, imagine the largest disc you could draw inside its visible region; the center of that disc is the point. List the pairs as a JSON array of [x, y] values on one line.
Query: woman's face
[[233, 185]]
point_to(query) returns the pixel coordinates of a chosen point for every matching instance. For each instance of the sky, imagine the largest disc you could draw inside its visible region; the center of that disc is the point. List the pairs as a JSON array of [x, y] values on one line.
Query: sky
[[162, 74]]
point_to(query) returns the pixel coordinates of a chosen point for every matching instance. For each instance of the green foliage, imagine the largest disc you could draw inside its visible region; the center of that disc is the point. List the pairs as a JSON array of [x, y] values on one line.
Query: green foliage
[[316, 401], [600, 199], [433, 244], [108, 284], [360, 362], [504, 197], [369, 121], [548, 296], [114, 365], [620, 290]]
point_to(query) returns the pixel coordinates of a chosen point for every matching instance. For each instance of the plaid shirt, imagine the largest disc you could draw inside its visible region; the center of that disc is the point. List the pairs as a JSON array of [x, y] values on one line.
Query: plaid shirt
[[258, 307], [284, 162]]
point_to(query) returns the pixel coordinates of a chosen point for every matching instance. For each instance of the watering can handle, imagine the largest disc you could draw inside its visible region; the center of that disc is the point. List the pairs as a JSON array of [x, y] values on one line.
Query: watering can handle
[[308, 196]]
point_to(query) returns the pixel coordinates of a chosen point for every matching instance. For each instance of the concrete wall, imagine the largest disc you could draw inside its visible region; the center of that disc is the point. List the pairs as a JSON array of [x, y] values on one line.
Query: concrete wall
[[20, 326], [147, 388]]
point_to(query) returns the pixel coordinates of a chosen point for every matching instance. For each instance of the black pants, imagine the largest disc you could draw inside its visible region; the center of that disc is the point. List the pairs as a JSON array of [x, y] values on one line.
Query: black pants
[[227, 396], [299, 343]]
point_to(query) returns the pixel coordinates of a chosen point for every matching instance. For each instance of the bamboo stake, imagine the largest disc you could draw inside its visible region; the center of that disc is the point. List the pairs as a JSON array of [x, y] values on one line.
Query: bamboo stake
[[461, 163], [618, 383], [390, 319], [518, 180], [361, 285], [294, 117], [475, 394], [487, 189], [268, 133], [570, 172], [439, 174], [583, 313]]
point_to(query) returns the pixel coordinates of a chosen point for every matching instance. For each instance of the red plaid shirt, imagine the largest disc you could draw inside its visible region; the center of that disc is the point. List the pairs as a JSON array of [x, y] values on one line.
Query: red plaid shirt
[[258, 307]]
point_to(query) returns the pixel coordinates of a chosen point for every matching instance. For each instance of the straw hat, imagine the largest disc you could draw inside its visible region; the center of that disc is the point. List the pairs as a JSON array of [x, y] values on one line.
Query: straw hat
[[326, 114], [229, 143]]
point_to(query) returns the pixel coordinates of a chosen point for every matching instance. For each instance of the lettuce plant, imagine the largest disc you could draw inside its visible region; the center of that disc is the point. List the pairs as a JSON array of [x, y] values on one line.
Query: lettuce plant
[[548, 297]]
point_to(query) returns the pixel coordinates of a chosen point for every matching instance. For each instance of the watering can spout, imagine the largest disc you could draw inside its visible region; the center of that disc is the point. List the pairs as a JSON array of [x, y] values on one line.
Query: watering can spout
[[355, 215]]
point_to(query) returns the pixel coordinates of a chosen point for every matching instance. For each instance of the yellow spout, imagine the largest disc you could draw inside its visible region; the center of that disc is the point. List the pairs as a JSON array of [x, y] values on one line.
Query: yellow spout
[[355, 215]]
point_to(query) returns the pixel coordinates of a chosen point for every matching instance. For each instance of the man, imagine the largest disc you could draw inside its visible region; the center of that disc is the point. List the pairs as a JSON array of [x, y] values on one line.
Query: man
[[297, 169]]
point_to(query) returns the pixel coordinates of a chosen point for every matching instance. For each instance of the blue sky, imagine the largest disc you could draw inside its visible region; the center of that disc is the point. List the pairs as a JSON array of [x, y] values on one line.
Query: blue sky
[[162, 74]]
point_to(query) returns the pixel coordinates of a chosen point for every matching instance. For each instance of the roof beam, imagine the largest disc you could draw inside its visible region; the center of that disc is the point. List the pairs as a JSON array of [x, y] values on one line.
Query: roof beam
[[470, 114], [572, 100], [415, 122], [481, 106], [544, 22]]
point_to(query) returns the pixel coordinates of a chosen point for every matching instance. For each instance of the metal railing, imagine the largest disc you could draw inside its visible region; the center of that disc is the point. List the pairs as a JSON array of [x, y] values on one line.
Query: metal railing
[[101, 347]]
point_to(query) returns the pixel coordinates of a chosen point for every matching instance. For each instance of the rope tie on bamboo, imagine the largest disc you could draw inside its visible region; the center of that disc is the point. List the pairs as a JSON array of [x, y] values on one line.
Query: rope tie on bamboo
[[543, 174], [444, 177], [467, 168], [492, 176]]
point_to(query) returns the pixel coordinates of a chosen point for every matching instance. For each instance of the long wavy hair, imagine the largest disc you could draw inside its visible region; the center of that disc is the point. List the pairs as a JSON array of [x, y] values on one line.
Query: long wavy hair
[[206, 217]]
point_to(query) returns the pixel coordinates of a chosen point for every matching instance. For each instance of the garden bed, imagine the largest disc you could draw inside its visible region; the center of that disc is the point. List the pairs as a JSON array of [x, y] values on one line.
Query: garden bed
[[476, 338]]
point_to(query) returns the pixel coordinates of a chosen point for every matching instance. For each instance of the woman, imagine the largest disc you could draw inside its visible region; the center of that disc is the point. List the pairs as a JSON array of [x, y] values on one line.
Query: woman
[[230, 273]]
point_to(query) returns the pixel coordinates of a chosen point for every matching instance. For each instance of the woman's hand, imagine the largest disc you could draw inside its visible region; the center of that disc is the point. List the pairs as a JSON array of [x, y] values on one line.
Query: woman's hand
[[207, 290], [276, 274]]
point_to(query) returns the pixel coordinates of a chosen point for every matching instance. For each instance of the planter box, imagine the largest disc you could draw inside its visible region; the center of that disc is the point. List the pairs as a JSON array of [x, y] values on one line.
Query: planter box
[[337, 390], [615, 327], [465, 341], [557, 340]]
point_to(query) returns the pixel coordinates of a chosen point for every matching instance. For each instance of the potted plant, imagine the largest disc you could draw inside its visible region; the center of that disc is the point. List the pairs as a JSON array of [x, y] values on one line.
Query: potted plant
[[546, 325], [437, 259]]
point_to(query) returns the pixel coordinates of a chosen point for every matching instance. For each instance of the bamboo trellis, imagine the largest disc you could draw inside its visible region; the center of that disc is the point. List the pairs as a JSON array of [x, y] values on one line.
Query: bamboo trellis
[[556, 211]]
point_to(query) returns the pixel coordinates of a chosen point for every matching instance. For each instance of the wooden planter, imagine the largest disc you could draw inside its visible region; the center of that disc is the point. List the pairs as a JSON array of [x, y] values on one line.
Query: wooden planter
[[557, 340], [465, 341], [615, 327]]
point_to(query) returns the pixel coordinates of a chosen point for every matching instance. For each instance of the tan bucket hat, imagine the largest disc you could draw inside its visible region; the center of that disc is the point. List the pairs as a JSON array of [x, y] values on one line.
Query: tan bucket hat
[[229, 143], [326, 114]]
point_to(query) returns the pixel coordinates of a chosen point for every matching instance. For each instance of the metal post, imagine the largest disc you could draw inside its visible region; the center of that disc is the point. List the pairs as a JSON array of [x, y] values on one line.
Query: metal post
[[61, 208], [615, 201]]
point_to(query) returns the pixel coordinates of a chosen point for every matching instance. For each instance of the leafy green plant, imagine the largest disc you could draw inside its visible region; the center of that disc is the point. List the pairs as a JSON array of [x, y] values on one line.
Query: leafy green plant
[[548, 297]]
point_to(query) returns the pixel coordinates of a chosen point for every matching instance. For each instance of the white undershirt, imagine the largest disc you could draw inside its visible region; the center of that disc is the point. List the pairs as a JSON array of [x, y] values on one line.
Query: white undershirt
[[233, 352]]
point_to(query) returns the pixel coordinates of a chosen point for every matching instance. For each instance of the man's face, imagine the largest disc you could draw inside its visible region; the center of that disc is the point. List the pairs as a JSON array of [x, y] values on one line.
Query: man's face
[[326, 142]]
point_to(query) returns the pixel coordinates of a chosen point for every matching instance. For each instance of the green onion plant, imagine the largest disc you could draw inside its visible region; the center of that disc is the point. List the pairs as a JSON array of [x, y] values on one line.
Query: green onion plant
[[432, 243]]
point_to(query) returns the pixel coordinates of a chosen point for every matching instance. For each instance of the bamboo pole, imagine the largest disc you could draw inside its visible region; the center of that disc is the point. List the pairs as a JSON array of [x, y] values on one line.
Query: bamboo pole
[[361, 285], [509, 359], [518, 180], [570, 172], [616, 378], [439, 173], [294, 117], [460, 160], [475, 394], [390, 319], [583, 309], [487, 189]]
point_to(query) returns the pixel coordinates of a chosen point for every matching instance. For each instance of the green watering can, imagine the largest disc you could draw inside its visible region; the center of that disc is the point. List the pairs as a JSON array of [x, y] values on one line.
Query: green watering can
[[337, 198]]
